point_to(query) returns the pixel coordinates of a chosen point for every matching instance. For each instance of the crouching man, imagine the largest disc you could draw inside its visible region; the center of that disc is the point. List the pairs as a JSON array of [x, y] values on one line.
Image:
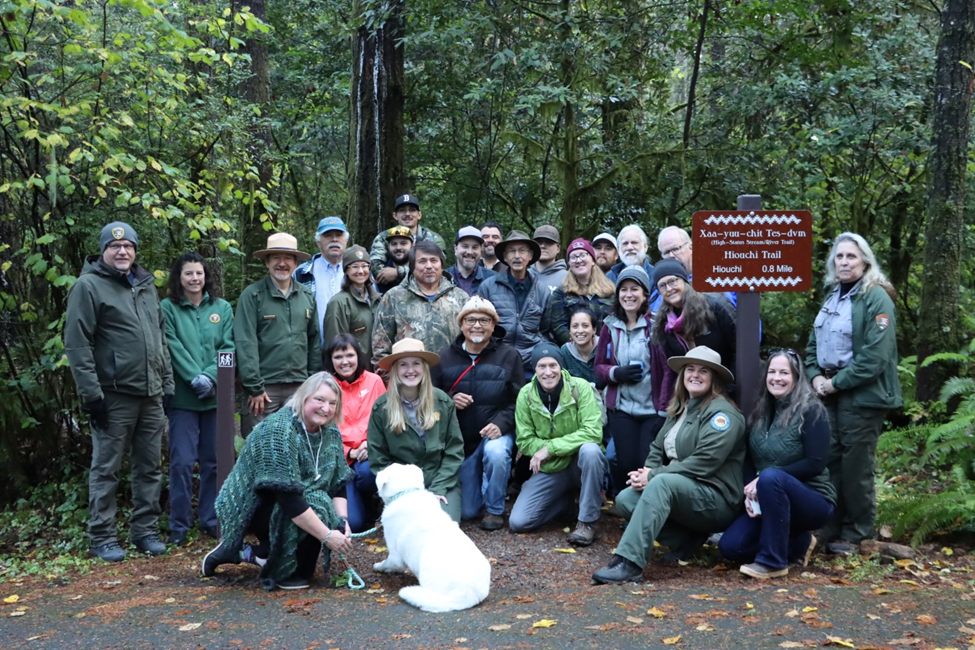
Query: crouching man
[[559, 427]]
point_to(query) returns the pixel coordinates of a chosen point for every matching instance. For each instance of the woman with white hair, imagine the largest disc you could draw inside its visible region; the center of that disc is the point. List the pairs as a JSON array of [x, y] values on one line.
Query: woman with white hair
[[288, 489], [851, 359]]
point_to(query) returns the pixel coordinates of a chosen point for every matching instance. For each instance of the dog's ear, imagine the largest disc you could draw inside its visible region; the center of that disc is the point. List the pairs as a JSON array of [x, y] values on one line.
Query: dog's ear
[[381, 479]]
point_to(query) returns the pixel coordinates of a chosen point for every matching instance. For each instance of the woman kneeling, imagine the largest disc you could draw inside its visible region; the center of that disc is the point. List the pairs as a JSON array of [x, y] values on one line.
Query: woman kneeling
[[788, 444], [692, 483], [288, 489]]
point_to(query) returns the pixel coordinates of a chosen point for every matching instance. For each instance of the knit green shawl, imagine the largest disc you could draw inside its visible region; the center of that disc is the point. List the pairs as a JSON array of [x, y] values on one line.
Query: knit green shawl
[[278, 456]]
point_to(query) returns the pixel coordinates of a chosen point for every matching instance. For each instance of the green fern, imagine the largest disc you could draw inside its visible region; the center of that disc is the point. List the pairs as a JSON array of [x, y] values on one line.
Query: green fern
[[922, 515]]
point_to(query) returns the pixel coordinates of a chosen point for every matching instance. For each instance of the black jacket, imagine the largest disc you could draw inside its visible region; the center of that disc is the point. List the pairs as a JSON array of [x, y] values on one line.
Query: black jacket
[[720, 336], [493, 382]]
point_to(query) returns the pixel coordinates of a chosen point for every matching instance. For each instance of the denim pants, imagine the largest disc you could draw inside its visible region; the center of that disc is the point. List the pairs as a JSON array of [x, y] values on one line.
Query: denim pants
[[790, 509], [484, 477], [359, 492], [544, 496], [192, 439]]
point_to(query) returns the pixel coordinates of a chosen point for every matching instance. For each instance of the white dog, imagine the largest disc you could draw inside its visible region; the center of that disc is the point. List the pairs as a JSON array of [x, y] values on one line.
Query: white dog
[[421, 537]]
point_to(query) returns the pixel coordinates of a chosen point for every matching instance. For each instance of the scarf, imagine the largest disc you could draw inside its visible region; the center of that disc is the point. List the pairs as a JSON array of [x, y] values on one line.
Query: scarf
[[675, 324]]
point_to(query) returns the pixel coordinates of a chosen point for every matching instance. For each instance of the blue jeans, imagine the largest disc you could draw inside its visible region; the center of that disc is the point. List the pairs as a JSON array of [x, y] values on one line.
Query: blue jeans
[[484, 477], [192, 439], [790, 509], [358, 492]]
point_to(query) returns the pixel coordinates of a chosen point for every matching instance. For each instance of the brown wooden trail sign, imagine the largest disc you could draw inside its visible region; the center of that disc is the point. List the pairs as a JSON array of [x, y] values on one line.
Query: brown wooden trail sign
[[753, 250]]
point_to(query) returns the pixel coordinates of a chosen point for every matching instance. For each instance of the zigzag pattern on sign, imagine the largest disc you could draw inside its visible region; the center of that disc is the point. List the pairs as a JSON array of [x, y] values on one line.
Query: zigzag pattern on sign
[[753, 219], [747, 282]]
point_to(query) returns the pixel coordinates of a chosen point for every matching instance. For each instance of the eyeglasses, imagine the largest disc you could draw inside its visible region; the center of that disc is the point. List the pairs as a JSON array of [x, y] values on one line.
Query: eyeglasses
[[672, 252], [473, 320], [117, 246], [578, 257], [672, 283], [359, 266]]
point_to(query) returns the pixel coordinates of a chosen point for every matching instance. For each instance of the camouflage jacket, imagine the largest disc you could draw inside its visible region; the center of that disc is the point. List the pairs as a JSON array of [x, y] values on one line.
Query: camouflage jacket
[[405, 312], [377, 254]]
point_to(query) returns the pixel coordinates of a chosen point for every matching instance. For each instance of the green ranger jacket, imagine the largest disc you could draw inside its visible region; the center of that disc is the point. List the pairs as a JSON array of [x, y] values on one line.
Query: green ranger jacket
[[115, 335], [439, 453], [872, 375], [195, 335], [277, 338], [350, 314], [576, 421], [377, 253], [405, 312], [710, 448]]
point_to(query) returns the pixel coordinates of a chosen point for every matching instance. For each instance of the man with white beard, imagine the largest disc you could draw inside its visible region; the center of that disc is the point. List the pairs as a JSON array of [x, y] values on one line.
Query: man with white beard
[[467, 273], [483, 375], [633, 246]]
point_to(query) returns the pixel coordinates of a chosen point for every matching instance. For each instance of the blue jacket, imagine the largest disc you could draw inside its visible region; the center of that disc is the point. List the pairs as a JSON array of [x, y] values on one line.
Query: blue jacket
[[480, 275]]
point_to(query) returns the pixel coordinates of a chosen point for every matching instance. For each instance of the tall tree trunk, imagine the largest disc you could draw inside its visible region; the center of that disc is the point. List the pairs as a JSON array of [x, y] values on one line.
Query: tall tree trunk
[[377, 172], [938, 327], [257, 90]]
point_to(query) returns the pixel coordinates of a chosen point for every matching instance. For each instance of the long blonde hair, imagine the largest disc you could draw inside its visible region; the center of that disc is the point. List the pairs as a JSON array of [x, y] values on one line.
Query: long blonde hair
[[681, 397], [425, 411], [599, 284]]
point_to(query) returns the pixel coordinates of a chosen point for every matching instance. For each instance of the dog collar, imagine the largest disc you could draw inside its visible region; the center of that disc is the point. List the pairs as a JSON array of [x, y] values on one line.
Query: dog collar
[[399, 494]]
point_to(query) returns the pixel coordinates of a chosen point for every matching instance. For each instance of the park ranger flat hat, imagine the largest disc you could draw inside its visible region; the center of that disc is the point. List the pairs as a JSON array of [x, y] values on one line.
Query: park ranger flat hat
[[282, 242]]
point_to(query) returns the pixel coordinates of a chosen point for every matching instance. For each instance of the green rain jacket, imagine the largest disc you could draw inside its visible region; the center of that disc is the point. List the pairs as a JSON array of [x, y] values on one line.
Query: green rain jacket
[[195, 335]]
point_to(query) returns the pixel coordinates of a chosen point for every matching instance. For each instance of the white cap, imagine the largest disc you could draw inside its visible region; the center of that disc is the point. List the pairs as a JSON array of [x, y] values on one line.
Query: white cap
[[605, 236]]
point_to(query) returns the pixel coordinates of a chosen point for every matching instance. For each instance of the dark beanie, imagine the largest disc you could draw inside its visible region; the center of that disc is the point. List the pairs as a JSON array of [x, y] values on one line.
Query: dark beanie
[[117, 231], [666, 268], [546, 349]]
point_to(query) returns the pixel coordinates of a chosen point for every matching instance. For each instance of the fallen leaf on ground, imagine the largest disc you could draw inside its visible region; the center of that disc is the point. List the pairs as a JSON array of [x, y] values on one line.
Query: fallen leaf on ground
[[840, 581], [564, 550], [926, 619], [375, 591], [545, 622], [188, 627], [672, 640], [880, 592], [791, 644], [565, 530], [524, 599], [634, 619], [909, 582], [11, 599], [810, 593], [462, 639], [371, 541], [499, 627], [147, 577], [523, 616], [806, 610], [699, 597], [835, 640], [905, 642], [905, 563], [749, 606], [18, 613], [947, 551], [656, 612], [78, 597], [873, 617], [379, 549], [402, 636], [793, 613], [704, 627], [168, 600]]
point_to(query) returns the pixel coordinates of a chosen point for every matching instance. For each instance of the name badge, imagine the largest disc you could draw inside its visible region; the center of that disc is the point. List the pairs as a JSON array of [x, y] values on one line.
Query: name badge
[[270, 317]]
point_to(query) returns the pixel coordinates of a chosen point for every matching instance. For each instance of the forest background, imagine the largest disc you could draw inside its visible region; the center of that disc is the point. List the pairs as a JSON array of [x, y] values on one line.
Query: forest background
[[206, 125]]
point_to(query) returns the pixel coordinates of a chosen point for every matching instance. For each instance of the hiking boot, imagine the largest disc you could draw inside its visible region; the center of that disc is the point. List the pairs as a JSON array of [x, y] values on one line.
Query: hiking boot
[[762, 572], [492, 522], [841, 547], [584, 534], [220, 555], [210, 531], [293, 583], [177, 537], [109, 552], [150, 544], [618, 571]]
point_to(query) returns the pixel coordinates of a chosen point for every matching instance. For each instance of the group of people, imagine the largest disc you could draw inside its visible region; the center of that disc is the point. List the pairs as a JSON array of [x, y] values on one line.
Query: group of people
[[571, 380]]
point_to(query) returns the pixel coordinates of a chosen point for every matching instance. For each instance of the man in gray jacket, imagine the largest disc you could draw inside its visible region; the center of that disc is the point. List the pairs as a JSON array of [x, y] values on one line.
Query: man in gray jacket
[[115, 340], [549, 270]]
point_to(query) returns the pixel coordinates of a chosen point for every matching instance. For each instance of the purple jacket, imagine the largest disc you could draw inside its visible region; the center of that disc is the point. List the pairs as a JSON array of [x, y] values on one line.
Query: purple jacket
[[662, 378]]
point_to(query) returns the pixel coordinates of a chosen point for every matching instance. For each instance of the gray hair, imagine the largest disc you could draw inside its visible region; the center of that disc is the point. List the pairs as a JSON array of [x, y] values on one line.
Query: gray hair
[[633, 226], [310, 387], [872, 275], [684, 237]]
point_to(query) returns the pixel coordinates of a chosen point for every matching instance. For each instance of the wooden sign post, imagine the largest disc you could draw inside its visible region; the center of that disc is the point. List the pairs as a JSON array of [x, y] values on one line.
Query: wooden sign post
[[226, 423], [751, 251]]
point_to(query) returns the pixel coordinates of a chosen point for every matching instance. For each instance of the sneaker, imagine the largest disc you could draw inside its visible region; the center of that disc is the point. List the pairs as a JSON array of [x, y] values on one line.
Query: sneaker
[[248, 555], [762, 572], [841, 547], [220, 555], [618, 571], [492, 522], [809, 551], [584, 534], [294, 582], [109, 552], [150, 544], [177, 538]]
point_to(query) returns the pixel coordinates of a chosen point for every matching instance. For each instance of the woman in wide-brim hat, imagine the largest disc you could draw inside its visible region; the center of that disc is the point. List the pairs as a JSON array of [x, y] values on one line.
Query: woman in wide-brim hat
[[416, 424], [282, 243], [692, 483]]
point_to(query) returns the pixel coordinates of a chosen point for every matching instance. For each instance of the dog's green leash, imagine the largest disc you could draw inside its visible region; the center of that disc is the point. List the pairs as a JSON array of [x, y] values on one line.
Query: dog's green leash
[[355, 581]]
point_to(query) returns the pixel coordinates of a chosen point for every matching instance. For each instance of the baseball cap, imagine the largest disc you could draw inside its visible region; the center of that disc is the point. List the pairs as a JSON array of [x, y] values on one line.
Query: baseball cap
[[605, 236], [547, 232], [469, 231], [399, 231], [407, 199], [331, 223]]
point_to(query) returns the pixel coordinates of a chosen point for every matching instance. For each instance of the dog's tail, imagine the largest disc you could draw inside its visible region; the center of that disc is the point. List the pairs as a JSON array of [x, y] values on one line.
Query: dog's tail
[[463, 597]]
